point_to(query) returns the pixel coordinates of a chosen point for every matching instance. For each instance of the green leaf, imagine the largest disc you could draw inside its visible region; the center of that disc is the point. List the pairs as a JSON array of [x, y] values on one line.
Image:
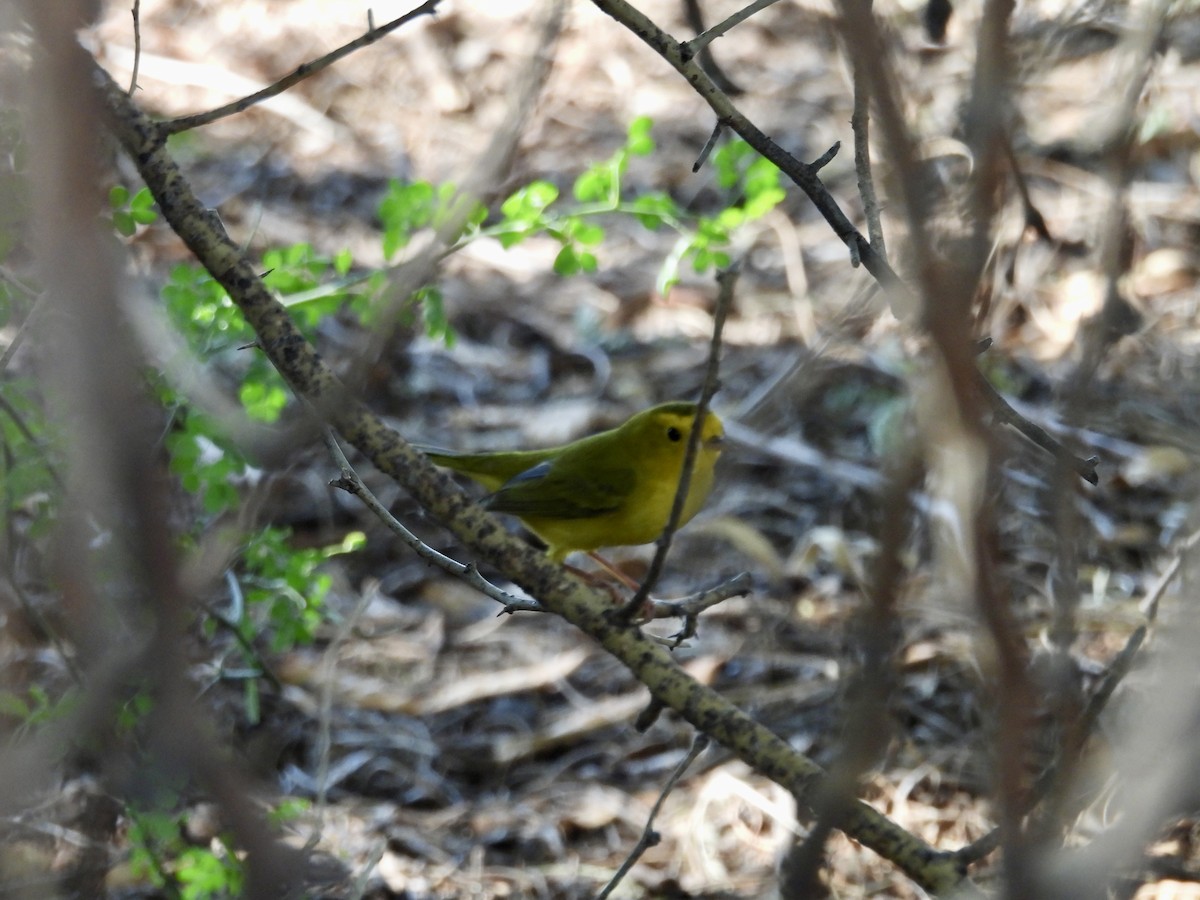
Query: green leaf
[[118, 196], [653, 210], [406, 208], [730, 218], [639, 142], [515, 236], [351, 543], [527, 204], [437, 326], [288, 809], [263, 401], [124, 223], [567, 262], [219, 497], [14, 706], [763, 202], [588, 233], [596, 185], [142, 207]]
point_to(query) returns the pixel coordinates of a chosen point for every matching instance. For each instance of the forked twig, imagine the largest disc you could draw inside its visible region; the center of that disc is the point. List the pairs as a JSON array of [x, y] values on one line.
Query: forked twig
[[700, 41], [351, 483], [650, 837]]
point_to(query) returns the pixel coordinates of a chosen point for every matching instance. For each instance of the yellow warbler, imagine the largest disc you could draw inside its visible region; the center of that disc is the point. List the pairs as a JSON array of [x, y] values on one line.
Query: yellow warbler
[[608, 490]]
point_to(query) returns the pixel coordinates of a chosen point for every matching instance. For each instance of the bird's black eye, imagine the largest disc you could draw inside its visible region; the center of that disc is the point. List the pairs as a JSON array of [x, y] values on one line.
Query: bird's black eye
[[674, 434]]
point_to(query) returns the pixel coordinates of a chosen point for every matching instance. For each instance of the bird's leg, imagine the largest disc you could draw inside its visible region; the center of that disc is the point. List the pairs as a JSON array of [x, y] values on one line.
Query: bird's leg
[[614, 571], [647, 610], [594, 579]]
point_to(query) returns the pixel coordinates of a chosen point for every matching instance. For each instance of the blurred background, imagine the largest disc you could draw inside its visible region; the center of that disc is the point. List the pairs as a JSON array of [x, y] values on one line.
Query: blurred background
[[422, 746]]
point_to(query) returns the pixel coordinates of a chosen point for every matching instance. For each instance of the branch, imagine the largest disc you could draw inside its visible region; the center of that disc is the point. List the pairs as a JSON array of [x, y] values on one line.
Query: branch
[[351, 483], [803, 175], [698, 43], [1004, 412], [650, 837], [307, 70], [560, 592], [728, 115], [137, 44], [726, 279]]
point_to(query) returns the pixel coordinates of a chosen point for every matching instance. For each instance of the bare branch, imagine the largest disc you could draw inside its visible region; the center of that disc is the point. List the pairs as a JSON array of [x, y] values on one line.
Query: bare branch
[[307, 70], [650, 837], [351, 483], [137, 45], [726, 279]]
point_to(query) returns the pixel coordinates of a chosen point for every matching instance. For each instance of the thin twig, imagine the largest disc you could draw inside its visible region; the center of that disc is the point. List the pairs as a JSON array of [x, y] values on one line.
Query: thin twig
[[689, 608], [35, 442], [1033, 216], [1149, 605], [826, 158], [695, 20], [308, 69], [726, 279], [708, 147], [325, 712], [47, 628], [650, 837], [1097, 701], [1112, 677], [860, 124], [865, 731], [486, 171], [352, 484], [232, 622], [361, 880], [1002, 409], [137, 45], [700, 41]]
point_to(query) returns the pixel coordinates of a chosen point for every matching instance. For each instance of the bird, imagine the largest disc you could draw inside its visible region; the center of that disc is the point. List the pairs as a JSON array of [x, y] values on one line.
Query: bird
[[611, 489]]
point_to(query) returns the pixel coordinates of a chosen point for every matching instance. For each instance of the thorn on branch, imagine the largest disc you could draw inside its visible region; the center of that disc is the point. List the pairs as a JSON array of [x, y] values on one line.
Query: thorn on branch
[[708, 146], [825, 158]]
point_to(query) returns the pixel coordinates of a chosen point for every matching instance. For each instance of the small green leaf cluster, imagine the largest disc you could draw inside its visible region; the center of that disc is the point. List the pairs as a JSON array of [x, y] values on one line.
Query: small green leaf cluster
[[128, 212], [35, 707], [527, 211], [409, 206], [538, 209], [159, 853], [283, 592], [208, 465], [753, 181], [285, 588]]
